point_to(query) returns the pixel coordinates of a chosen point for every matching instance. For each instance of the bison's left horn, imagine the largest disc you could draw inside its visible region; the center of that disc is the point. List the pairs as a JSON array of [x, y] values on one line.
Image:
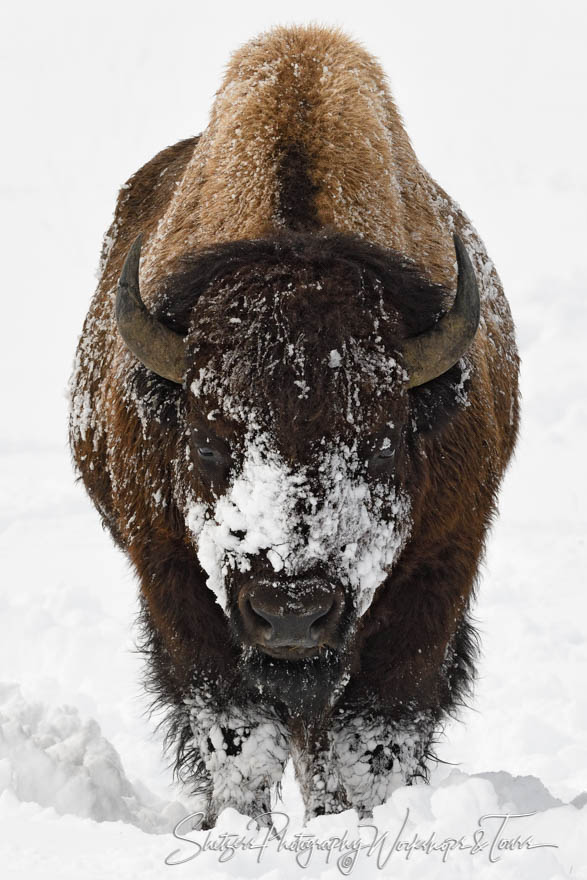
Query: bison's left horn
[[432, 353], [155, 345]]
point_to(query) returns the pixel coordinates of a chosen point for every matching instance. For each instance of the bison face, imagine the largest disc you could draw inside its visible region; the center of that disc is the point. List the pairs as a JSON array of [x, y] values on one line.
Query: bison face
[[299, 358], [295, 549]]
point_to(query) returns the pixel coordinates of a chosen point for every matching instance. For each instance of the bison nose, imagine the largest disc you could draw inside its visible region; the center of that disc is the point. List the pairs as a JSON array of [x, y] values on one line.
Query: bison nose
[[284, 630], [291, 619]]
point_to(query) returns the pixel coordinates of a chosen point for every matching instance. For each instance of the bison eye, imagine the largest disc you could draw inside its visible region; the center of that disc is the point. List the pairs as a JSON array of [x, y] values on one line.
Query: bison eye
[[388, 452], [212, 458], [214, 464], [382, 460]]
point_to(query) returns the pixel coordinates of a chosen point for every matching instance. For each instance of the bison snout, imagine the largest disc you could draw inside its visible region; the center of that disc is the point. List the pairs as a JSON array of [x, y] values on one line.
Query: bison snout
[[292, 621], [284, 630]]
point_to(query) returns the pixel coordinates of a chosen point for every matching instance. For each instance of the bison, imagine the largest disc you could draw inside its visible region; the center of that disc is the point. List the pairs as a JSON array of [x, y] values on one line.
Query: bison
[[293, 402]]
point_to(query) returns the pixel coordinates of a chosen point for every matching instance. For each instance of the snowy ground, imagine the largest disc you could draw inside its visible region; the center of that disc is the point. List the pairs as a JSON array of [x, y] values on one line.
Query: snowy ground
[[84, 789]]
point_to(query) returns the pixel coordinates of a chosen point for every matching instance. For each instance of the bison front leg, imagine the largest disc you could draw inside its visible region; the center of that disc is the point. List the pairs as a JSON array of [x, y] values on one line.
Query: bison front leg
[[359, 761], [244, 755], [374, 756], [317, 773]]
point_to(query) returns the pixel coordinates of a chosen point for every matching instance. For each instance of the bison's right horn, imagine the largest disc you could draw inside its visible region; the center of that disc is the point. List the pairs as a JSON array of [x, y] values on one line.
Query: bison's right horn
[[155, 345]]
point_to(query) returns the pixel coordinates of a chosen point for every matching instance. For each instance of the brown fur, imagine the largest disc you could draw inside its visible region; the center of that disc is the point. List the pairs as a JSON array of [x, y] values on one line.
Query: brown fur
[[303, 136]]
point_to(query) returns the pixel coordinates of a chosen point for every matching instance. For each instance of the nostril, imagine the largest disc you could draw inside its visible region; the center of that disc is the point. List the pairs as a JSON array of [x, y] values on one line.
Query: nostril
[[317, 625], [282, 621], [260, 621]]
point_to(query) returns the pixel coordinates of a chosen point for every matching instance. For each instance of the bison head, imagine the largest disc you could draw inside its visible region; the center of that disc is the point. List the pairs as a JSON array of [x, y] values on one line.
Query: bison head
[[310, 367]]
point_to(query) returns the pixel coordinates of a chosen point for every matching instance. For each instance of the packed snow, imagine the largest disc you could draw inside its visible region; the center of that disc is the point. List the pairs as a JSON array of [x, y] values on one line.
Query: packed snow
[[85, 790]]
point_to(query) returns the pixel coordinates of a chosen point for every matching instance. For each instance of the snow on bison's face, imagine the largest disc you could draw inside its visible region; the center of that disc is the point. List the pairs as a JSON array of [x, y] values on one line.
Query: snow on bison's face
[[303, 421]]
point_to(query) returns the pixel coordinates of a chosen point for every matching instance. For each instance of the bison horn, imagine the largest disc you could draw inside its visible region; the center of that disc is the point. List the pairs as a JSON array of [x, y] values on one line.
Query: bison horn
[[432, 353], [155, 345]]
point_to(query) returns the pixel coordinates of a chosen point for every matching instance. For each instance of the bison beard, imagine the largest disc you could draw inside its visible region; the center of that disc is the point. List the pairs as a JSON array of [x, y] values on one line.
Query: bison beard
[[296, 432], [306, 688]]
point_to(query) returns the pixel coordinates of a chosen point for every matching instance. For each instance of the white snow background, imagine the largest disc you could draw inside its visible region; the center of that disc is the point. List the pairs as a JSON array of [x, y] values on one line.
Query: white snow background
[[493, 96]]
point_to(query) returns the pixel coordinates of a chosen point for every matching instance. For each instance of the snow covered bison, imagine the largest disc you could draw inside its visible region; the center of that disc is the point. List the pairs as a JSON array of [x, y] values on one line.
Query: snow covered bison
[[294, 399]]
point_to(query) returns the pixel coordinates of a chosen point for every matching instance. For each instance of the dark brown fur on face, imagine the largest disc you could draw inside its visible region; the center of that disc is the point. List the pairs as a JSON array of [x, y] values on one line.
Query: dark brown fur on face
[[319, 285], [245, 264]]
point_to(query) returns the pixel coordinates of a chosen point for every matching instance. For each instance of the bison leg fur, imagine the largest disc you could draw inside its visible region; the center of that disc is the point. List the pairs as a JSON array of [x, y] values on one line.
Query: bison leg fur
[[244, 755], [359, 762], [317, 774]]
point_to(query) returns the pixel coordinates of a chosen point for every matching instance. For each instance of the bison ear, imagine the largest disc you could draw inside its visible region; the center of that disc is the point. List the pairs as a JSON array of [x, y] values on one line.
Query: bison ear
[[435, 404], [155, 345]]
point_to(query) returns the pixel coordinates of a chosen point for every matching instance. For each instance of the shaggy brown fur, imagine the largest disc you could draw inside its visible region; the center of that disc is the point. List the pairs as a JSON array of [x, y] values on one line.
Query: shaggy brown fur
[[304, 175]]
